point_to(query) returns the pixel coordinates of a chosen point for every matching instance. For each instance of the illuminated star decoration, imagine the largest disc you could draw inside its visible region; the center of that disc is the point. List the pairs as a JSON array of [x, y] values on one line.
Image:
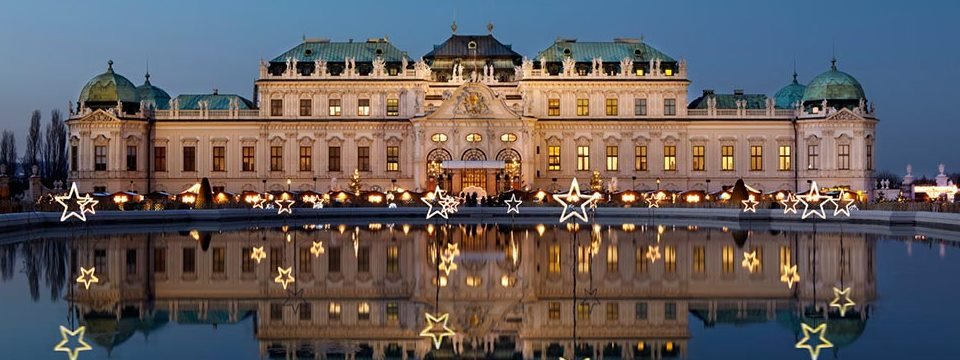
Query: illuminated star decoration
[[260, 204], [847, 302], [437, 328], [284, 280], [750, 261], [450, 204], [258, 254], [653, 200], [513, 204], [285, 206], [790, 204], [653, 253], [435, 202], [789, 275], [571, 199], [317, 248], [447, 258], [822, 342], [86, 204], [750, 205], [87, 277], [814, 197], [843, 204], [72, 353]]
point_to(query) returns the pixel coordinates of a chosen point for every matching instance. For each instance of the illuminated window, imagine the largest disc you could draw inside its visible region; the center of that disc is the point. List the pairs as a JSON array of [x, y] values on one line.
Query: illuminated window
[[613, 312], [393, 259], [669, 158], [640, 158], [189, 158], [612, 107], [218, 260], [393, 312], [843, 157], [699, 259], [554, 311], [669, 107], [583, 311], [583, 259], [473, 281], [583, 107], [438, 137], [363, 311], [583, 158], [553, 158], [554, 255], [784, 155], [248, 160], [786, 255], [553, 107], [639, 71], [813, 157], [668, 72], [756, 158], [759, 251], [276, 107], [727, 259], [363, 107], [613, 259], [306, 107], [726, 158], [393, 158], [333, 311], [334, 108], [640, 106], [641, 259], [508, 137], [306, 158], [219, 158], [670, 259], [613, 158], [699, 158], [393, 107], [474, 137], [276, 158]]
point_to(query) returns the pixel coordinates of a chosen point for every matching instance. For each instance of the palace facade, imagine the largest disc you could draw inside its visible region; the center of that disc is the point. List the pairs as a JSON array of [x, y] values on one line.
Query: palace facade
[[472, 114]]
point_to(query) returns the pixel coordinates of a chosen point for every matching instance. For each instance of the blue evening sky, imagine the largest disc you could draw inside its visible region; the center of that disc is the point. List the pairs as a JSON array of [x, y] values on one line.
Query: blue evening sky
[[903, 52]]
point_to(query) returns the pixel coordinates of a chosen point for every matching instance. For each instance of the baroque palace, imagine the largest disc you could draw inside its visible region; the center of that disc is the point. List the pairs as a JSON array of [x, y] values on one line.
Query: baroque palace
[[472, 114]]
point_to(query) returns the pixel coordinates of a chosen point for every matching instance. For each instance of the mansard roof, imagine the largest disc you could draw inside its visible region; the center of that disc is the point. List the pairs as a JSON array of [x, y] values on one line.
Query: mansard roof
[[312, 49], [214, 102], [483, 46], [609, 51], [729, 101]]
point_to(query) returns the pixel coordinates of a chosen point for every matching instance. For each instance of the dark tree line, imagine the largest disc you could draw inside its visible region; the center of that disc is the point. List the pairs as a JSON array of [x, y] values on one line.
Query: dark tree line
[[46, 148]]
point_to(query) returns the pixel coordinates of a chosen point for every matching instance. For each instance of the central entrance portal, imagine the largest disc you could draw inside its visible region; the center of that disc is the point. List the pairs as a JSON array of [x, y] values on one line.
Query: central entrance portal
[[473, 177]]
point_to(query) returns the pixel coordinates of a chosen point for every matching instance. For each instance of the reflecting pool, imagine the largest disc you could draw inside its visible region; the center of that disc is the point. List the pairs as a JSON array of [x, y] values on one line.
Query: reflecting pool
[[513, 290]]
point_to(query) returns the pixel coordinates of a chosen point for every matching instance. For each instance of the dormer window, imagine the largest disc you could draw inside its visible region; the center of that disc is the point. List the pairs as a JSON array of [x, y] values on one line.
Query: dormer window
[[379, 52], [668, 72], [638, 53], [566, 51], [472, 45], [308, 52], [639, 71]]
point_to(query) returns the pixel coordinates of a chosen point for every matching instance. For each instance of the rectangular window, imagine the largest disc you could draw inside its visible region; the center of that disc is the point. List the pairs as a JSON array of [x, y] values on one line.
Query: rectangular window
[[613, 259], [843, 157], [306, 158], [276, 158], [363, 260], [333, 158], [363, 311], [869, 151], [641, 311], [306, 107], [699, 158], [100, 158], [553, 107], [333, 260], [756, 158], [640, 107], [640, 158], [641, 260], [306, 260], [759, 251], [669, 259], [786, 255], [670, 311], [333, 311], [131, 158], [160, 158], [219, 158], [276, 311], [584, 256], [613, 158], [363, 107], [583, 311], [669, 107], [583, 158], [393, 107], [363, 158], [393, 312], [553, 158], [160, 260], [554, 311], [612, 107], [813, 157], [218, 262], [784, 154], [726, 158], [727, 259], [393, 158], [334, 108], [131, 261], [699, 259], [613, 312], [669, 158], [189, 260], [393, 259], [74, 159], [246, 263], [276, 256], [189, 158], [554, 254], [306, 311], [249, 158], [100, 259], [583, 107], [276, 107]]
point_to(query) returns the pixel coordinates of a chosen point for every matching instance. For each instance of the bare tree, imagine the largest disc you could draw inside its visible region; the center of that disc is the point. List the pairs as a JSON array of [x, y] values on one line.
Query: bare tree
[[31, 155], [8, 151], [54, 152]]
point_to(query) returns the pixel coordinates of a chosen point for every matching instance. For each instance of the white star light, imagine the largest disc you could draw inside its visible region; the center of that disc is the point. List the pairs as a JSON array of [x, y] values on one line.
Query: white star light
[[513, 205], [570, 200], [843, 204], [790, 204], [285, 206], [750, 205], [86, 203], [814, 197], [436, 201]]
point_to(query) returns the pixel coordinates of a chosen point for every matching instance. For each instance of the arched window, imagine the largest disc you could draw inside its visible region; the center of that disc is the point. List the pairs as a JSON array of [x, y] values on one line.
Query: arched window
[[474, 137], [438, 137], [508, 137]]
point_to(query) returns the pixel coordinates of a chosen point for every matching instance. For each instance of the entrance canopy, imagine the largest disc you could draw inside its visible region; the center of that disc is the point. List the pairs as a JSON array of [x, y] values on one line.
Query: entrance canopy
[[473, 164]]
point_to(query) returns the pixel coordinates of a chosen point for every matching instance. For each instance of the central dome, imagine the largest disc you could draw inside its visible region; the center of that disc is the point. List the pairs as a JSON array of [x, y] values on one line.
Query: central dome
[[835, 86], [106, 89]]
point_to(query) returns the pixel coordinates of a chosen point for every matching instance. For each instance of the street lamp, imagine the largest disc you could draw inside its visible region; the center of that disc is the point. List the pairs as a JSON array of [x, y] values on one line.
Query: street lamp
[[658, 184], [708, 186], [288, 185], [314, 184], [264, 186]]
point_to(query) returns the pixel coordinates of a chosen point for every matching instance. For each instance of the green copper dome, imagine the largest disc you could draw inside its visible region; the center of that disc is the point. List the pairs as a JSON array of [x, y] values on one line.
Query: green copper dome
[[787, 97], [108, 88], [834, 86], [153, 96]]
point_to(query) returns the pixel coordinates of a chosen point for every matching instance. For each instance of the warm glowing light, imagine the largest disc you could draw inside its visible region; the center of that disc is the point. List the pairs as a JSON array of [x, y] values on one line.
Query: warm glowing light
[[653, 253], [628, 198], [750, 205], [813, 198], [375, 198], [847, 302], [87, 277], [540, 195], [222, 198], [435, 207], [284, 206], [188, 199], [570, 200], [66, 334], [789, 275], [844, 203], [668, 346], [508, 281], [437, 328], [258, 254], [692, 198], [628, 227], [341, 197], [317, 248], [120, 199], [195, 235], [285, 277], [822, 342], [541, 229], [750, 261], [653, 200], [86, 204]]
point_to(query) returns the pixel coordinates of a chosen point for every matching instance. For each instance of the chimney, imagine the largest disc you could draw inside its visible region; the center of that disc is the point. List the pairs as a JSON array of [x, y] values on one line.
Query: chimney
[[738, 92], [707, 92], [216, 91]]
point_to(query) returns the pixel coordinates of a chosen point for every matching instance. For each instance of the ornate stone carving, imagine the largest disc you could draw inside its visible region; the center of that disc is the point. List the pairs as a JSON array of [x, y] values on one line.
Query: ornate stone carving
[[471, 102], [569, 67]]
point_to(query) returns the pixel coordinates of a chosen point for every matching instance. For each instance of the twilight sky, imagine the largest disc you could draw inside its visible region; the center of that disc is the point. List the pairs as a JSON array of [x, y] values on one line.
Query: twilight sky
[[903, 52]]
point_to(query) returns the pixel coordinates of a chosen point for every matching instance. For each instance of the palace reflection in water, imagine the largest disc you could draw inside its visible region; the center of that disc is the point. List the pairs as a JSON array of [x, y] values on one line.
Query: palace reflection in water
[[516, 291]]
